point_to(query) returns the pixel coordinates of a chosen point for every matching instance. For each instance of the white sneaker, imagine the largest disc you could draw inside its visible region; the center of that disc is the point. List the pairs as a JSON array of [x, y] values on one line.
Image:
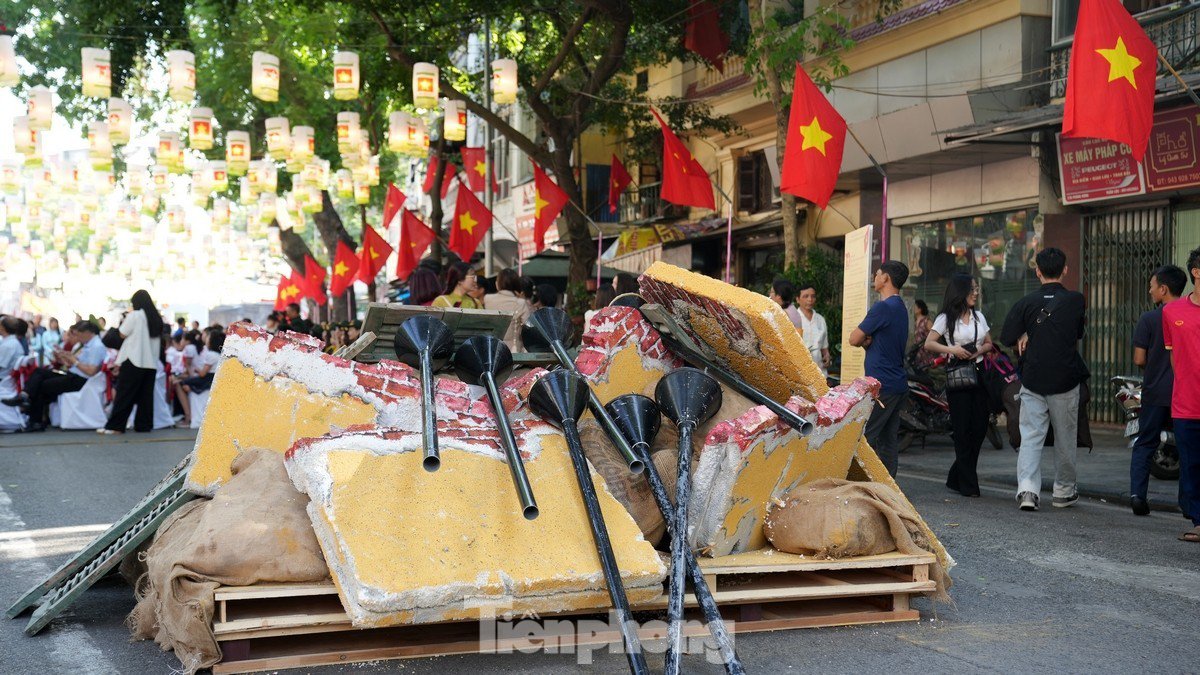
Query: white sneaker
[[1029, 501]]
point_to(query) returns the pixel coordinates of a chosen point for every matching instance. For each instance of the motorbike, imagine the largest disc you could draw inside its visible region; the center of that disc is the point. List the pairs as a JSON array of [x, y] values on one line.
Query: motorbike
[[927, 411], [1164, 463]]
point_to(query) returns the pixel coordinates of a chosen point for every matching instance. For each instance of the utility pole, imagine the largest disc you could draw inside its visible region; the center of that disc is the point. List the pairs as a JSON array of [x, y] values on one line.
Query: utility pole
[[489, 197]]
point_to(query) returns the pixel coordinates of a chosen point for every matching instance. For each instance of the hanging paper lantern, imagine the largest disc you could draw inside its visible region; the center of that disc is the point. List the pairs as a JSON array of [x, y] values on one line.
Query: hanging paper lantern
[[267, 204], [425, 85], [504, 81], [246, 194], [279, 137], [303, 144], [344, 184], [237, 152], [268, 177], [40, 108], [251, 179], [200, 187], [150, 203], [293, 165], [201, 135], [310, 174], [178, 165], [159, 179], [220, 211], [421, 146], [135, 180], [126, 216], [454, 120], [361, 174], [373, 177], [176, 218], [105, 181], [168, 148], [219, 175], [362, 193], [181, 75], [314, 201], [348, 132], [264, 78], [9, 75], [99, 145], [10, 176], [120, 121], [97, 72], [345, 76], [398, 131], [24, 136]]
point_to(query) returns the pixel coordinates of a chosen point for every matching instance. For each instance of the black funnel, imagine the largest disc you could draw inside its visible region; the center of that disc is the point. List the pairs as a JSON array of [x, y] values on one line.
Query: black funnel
[[420, 332], [424, 342], [546, 326], [486, 361], [481, 354], [628, 300], [638, 418], [688, 395], [559, 395]]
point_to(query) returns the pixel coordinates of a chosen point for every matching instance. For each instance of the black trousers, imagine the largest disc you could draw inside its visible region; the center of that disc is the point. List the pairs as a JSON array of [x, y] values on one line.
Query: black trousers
[[968, 419], [883, 429], [44, 386], [135, 386]]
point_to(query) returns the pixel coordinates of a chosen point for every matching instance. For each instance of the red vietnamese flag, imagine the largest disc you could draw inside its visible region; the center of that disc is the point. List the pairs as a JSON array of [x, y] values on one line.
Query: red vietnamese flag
[[296, 290], [373, 256], [618, 180], [391, 204], [471, 220], [816, 138], [314, 279], [430, 173], [703, 34], [415, 238], [451, 173], [548, 202], [1111, 78], [684, 182], [475, 164], [345, 266], [281, 295]]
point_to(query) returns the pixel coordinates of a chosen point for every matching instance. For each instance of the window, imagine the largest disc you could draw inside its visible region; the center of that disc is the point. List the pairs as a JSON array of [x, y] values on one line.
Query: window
[[502, 165], [997, 249], [643, 80], [1066, 13], [755, 185]]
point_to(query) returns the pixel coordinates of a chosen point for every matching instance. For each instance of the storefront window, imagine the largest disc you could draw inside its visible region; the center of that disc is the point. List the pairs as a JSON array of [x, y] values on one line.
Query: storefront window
[[998, 249]]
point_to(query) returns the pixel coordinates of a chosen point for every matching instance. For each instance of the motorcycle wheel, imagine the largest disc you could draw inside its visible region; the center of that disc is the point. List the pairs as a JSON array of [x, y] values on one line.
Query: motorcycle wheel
[[1164, 464]]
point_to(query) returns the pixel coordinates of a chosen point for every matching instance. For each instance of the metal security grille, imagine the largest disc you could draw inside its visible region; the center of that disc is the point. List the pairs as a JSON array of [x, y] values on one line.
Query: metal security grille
[[1120, 250]]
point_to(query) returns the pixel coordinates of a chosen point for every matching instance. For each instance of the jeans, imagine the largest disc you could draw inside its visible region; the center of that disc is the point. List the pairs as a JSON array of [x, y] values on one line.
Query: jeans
[[1150, 425], [969, 420], [1187, 437], [883, 429], [1038, 413]]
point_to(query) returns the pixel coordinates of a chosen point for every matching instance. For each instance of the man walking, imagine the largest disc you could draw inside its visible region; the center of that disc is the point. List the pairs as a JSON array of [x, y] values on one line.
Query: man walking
[[1181, 335], [883, 333], [1045, 328], [1150, 354]]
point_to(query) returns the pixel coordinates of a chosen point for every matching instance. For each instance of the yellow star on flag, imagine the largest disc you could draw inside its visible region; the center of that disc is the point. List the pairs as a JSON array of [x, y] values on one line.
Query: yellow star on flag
[[814, 136], [340, 269], [290, 291], [480, 168], [538, 204], [467, 224], [373, 252], [1121, 63], [683, 165]]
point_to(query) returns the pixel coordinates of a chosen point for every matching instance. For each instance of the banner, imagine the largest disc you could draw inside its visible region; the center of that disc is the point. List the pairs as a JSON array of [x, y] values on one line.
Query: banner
[[856, 297]]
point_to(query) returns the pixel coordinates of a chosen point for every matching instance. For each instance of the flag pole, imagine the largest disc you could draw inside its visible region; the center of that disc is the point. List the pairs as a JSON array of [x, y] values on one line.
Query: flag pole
[[488, 262], [883, 226], [1190, 92]]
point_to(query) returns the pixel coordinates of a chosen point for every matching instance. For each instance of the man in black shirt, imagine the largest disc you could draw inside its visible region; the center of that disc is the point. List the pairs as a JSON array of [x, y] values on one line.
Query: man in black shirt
[[1149, 352], [1045, 328]]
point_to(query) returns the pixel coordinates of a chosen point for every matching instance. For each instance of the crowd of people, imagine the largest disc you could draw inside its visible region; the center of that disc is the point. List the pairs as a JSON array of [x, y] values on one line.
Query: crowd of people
[[133, 354], [1043, 330]]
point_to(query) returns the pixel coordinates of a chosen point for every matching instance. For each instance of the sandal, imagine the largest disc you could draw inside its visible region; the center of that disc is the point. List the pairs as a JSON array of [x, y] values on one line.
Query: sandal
[[1192, 535]]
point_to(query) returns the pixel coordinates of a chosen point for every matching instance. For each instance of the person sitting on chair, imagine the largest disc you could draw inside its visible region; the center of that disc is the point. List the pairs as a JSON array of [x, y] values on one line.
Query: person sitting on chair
[[44, 385]]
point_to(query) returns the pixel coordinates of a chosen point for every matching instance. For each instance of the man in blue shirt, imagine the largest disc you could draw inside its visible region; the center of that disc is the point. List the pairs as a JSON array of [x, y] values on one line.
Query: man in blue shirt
[[884, 333], [44, 385]]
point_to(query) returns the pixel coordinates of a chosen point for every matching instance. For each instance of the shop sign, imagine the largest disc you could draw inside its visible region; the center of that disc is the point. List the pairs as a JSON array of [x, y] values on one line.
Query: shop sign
[[1093, 169], [1171, 161]]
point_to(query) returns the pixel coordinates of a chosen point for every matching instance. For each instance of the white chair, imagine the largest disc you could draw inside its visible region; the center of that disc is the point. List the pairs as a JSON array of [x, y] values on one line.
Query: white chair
[[162, 409], [83, 409], [11, 418], [198, 404]]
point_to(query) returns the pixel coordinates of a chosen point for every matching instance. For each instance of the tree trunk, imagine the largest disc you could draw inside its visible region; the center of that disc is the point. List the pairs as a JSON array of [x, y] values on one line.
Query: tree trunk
[[435, 198], [578, 234], [329, 226]]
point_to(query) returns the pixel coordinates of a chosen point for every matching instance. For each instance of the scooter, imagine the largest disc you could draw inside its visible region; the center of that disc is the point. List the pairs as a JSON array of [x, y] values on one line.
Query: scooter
[[927, 411], [1164, 463]]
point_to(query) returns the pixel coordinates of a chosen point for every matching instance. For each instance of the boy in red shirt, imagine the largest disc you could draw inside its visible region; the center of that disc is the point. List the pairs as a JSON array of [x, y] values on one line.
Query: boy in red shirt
[[1181, 335]]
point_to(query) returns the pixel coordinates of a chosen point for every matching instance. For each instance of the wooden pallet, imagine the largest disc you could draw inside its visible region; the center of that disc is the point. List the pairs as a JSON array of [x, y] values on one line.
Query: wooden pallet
[[267, 627]]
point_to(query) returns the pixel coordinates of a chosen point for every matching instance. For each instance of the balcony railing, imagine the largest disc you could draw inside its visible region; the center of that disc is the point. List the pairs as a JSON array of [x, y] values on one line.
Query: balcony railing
[[646, 203], [1174, 32]]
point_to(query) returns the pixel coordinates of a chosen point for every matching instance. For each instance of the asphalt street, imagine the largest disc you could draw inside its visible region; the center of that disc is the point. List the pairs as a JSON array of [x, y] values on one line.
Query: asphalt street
[[1087, 589]]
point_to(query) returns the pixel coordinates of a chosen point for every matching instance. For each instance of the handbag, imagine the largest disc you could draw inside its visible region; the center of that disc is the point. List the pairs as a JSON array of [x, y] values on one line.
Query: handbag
[[962, 375]]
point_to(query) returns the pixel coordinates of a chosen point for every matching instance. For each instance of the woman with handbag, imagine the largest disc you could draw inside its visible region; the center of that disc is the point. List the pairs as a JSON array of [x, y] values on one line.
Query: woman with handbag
[[966, 340]]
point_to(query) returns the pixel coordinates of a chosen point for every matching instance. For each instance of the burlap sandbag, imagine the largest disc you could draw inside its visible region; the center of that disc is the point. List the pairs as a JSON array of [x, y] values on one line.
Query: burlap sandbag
[[833, 518], [255, 530]]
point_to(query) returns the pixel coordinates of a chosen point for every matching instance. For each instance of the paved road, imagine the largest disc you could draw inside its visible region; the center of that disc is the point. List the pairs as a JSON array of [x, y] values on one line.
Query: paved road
[[1087, 589]]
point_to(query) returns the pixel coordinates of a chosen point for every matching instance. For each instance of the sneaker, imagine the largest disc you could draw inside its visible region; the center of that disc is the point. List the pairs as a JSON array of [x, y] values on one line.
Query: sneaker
[[1029, 501], [1064, 502], [1139, 505]]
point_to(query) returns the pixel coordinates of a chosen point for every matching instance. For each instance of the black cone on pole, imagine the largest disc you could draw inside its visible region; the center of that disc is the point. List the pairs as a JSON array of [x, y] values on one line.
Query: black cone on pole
[[486, 361], [688, 397], [550, 328], [426, 343], [638, 418], [560, 397]]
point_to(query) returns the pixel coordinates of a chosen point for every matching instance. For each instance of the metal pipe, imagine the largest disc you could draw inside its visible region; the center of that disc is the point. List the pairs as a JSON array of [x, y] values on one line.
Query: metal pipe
[[608, 560], [679, 547], [606, 421], [433, 459], [529, 507]]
